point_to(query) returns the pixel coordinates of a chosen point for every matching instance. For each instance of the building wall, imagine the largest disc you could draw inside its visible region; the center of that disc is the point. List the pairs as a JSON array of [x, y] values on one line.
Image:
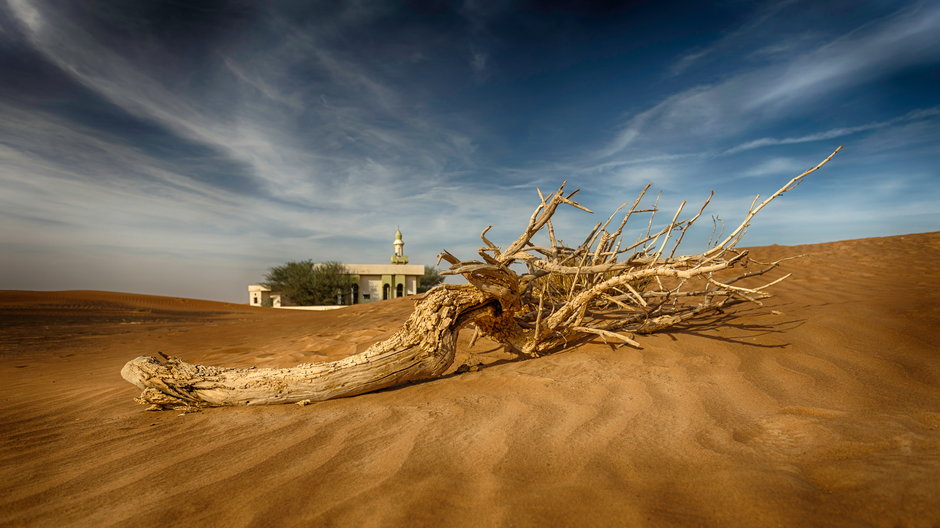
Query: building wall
[[386, 269], [372, 286], [374, 277], [259, 295]]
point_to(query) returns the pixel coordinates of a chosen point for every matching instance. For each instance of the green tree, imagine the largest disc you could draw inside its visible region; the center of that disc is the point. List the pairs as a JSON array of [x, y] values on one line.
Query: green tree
[[332, 283], [306, 283], [431, 278], [294, 280]]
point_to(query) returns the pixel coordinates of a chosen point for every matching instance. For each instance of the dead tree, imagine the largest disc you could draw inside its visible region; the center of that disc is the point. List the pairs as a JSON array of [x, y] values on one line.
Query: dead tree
[[604, 287]]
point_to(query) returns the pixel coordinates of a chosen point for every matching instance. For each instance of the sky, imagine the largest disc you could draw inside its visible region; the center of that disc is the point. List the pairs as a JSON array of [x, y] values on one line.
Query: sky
[[183, 148]]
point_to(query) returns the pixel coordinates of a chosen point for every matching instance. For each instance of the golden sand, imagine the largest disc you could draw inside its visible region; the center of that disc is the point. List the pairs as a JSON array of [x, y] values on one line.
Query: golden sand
[[821, 408]]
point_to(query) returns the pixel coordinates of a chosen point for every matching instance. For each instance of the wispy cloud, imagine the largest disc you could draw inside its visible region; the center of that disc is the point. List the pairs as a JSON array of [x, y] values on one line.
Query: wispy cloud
[[757, 19], [226, 116], [834, 133], [712, 113], [775, 166], [264, 87], [689, 59]]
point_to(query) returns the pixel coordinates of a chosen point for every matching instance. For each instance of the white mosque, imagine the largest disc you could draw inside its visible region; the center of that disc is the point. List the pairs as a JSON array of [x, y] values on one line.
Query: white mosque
[[371, 282]]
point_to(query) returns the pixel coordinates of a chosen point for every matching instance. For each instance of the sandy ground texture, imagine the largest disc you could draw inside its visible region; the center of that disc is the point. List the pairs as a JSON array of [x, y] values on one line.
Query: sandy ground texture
[[821, 408]]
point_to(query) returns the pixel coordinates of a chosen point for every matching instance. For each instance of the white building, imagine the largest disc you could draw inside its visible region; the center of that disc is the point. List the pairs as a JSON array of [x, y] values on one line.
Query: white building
[[259, 295], [371, 282]]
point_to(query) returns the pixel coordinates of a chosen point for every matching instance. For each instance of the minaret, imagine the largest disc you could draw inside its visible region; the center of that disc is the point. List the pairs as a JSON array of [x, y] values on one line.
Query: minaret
[[399, 256]]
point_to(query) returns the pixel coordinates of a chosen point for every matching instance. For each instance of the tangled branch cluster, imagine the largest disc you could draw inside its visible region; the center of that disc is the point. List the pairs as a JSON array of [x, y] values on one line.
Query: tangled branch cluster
[[606, 286]]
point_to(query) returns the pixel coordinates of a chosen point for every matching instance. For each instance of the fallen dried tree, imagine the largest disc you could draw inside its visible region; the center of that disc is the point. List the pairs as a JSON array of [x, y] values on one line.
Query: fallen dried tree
[[603, 287]]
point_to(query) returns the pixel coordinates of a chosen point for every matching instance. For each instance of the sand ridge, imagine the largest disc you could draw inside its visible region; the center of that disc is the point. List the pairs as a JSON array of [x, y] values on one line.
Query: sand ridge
[[821, 408]]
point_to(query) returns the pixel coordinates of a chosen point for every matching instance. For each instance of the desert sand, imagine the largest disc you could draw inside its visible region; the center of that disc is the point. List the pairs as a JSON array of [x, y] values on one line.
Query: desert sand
[[820, 408]]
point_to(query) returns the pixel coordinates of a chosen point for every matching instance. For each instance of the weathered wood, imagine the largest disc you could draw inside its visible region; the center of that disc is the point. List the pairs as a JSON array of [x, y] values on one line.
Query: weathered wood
[[423, 348], [565, 294]]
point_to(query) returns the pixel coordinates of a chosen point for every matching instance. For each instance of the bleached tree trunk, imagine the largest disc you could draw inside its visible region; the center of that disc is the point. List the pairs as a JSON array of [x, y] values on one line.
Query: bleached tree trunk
[[603, 288], [423, 348]]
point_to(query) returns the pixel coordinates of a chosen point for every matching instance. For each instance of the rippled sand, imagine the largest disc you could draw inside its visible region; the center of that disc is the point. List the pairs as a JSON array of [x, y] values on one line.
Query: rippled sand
[[820, 409]]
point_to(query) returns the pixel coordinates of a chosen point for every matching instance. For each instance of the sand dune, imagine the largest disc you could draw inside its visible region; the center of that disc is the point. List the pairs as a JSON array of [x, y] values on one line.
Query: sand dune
[[821, 408]]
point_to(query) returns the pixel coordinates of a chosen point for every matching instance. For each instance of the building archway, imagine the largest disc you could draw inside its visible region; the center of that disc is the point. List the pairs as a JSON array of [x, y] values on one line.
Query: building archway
[[385, 290], [400, 290], [355, 294]]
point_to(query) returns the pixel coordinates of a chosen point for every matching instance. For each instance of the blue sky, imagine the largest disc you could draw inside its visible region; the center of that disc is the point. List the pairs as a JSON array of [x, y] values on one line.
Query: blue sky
[[183, 148]]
